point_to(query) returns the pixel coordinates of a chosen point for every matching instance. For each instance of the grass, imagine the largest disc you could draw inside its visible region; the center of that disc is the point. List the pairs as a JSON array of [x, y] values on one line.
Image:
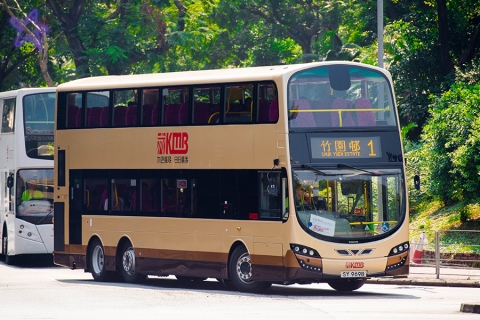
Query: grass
[[452, 222]]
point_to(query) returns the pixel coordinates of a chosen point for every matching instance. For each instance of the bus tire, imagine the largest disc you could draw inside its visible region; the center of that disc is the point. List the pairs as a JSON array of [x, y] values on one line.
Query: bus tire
[[4, 241], [129, 273], [97, 262], [347, 285], [240, 270], [10, 260]]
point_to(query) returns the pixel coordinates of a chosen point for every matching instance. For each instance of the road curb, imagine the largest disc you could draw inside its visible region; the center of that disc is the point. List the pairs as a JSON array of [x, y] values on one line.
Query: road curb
[[470, 307], [427, 282]]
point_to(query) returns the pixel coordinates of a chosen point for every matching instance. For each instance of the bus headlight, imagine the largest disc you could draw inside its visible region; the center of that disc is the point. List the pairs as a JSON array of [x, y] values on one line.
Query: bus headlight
[[399, 248], [307, 258], [303, 250]]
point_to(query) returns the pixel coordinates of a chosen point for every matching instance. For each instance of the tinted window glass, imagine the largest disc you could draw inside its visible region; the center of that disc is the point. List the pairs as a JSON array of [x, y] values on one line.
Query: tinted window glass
[[35, 195], [39, 110], [8, 115], [344, 96]]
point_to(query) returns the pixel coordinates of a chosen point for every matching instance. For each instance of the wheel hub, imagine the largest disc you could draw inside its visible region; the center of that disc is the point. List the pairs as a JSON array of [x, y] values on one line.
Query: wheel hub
[[98, 259], [128, 261], [244, 268]]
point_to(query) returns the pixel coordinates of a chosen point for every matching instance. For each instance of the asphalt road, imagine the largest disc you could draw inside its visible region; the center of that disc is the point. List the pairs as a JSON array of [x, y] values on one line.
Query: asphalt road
[[44, 291]]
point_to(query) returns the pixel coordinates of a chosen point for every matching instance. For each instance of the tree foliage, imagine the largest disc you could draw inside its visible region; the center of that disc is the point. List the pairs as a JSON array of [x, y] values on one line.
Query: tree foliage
[[451, 150], [21, 23], [432, 49]]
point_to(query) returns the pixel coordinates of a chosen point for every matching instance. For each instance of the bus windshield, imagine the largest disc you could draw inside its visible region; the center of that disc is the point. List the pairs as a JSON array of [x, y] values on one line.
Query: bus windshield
[[34, 193], [340, 96], [349, 202], [39, 111]]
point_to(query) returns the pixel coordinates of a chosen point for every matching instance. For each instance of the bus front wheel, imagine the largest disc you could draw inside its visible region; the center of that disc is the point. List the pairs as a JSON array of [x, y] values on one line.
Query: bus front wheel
[[347, 285], [4, 242], [240, 270], [8, 259], [128, 265], [97, 262]]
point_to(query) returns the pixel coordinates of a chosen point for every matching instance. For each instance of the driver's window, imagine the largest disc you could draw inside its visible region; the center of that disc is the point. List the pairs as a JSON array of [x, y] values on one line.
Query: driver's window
[[34, 185], [34, 191]]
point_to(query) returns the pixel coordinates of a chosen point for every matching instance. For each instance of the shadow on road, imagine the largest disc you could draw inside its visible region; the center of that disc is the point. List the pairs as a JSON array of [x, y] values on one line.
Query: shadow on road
[[32, 261], [307, 291]]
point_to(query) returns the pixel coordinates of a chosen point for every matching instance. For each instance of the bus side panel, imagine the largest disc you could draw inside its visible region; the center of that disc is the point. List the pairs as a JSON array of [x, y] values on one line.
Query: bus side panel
[[72, 257], [172, 246]]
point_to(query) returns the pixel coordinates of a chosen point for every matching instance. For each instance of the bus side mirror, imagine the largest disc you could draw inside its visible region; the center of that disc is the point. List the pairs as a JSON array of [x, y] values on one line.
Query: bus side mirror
[[10, 182], [272, 187], [416, 181]]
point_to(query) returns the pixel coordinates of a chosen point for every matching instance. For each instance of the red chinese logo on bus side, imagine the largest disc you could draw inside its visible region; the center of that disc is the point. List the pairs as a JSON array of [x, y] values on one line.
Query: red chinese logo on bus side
[[172, 143], [351, 265]]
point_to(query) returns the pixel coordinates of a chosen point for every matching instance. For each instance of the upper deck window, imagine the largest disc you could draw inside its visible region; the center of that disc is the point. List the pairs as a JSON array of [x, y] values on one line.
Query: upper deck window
[[340, 96], [39, 112], [206, 104], [201, 104], [8, 115]]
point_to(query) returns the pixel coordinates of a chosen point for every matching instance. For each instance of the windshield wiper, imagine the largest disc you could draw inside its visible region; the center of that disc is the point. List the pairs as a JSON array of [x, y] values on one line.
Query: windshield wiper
[[342, 166], [305, 166], [44, 217]]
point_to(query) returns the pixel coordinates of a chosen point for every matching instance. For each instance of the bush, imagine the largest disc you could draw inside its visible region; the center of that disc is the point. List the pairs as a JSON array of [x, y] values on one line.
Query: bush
[[450, 152]]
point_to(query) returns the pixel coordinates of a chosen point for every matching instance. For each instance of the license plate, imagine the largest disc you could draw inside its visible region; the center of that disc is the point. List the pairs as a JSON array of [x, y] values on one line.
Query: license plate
[[353, 274]]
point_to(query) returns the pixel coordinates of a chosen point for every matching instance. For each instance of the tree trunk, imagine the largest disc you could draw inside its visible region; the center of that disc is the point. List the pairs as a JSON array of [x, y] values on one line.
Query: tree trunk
[[43, 67], [468, 54], [69, 23], [443, 37], [42, 50]]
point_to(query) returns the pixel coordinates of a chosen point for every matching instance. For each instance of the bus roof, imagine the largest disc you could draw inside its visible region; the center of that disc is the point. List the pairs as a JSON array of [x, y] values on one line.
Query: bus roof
[[25, 91], [191, 77]]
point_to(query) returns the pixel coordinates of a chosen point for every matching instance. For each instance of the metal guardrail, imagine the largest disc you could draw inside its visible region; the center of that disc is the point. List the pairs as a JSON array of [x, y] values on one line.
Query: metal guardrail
[[466, 255]]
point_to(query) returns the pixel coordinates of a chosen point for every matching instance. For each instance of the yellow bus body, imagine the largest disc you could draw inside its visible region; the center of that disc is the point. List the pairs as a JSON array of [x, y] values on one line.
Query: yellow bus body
[[203, 247]]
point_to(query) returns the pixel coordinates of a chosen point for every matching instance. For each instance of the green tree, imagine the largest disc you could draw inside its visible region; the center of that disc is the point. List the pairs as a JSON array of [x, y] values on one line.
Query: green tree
[[112, 37], [299, 20], [451, 146], [36, 32], [12, 59], [430, 39], [68, 14]]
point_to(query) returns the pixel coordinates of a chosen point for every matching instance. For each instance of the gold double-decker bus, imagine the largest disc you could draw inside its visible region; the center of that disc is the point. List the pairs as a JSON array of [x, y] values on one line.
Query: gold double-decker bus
[[257, 176]]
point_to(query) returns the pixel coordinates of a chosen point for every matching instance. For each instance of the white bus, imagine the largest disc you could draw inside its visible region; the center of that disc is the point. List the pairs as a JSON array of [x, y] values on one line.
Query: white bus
[[26, 179]]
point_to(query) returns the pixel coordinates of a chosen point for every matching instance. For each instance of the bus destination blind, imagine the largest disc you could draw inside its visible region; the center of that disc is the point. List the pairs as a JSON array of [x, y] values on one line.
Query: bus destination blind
[[346, 147]]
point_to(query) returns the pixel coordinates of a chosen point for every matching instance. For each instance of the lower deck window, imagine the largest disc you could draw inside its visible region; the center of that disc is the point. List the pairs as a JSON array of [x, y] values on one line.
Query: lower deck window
[[207, 194]]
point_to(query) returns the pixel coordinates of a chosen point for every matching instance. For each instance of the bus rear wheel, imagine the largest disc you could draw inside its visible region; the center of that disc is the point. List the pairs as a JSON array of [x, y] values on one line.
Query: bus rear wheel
[[347, 285], [97, 262], [240, 270], [128, 265]]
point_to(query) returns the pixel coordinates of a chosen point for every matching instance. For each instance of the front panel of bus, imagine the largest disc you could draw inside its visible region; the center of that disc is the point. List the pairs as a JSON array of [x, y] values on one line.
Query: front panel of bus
[[348, 176]]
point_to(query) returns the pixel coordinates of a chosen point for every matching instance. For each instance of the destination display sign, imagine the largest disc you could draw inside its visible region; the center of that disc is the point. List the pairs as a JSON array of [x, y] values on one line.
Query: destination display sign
[[346, 147]]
